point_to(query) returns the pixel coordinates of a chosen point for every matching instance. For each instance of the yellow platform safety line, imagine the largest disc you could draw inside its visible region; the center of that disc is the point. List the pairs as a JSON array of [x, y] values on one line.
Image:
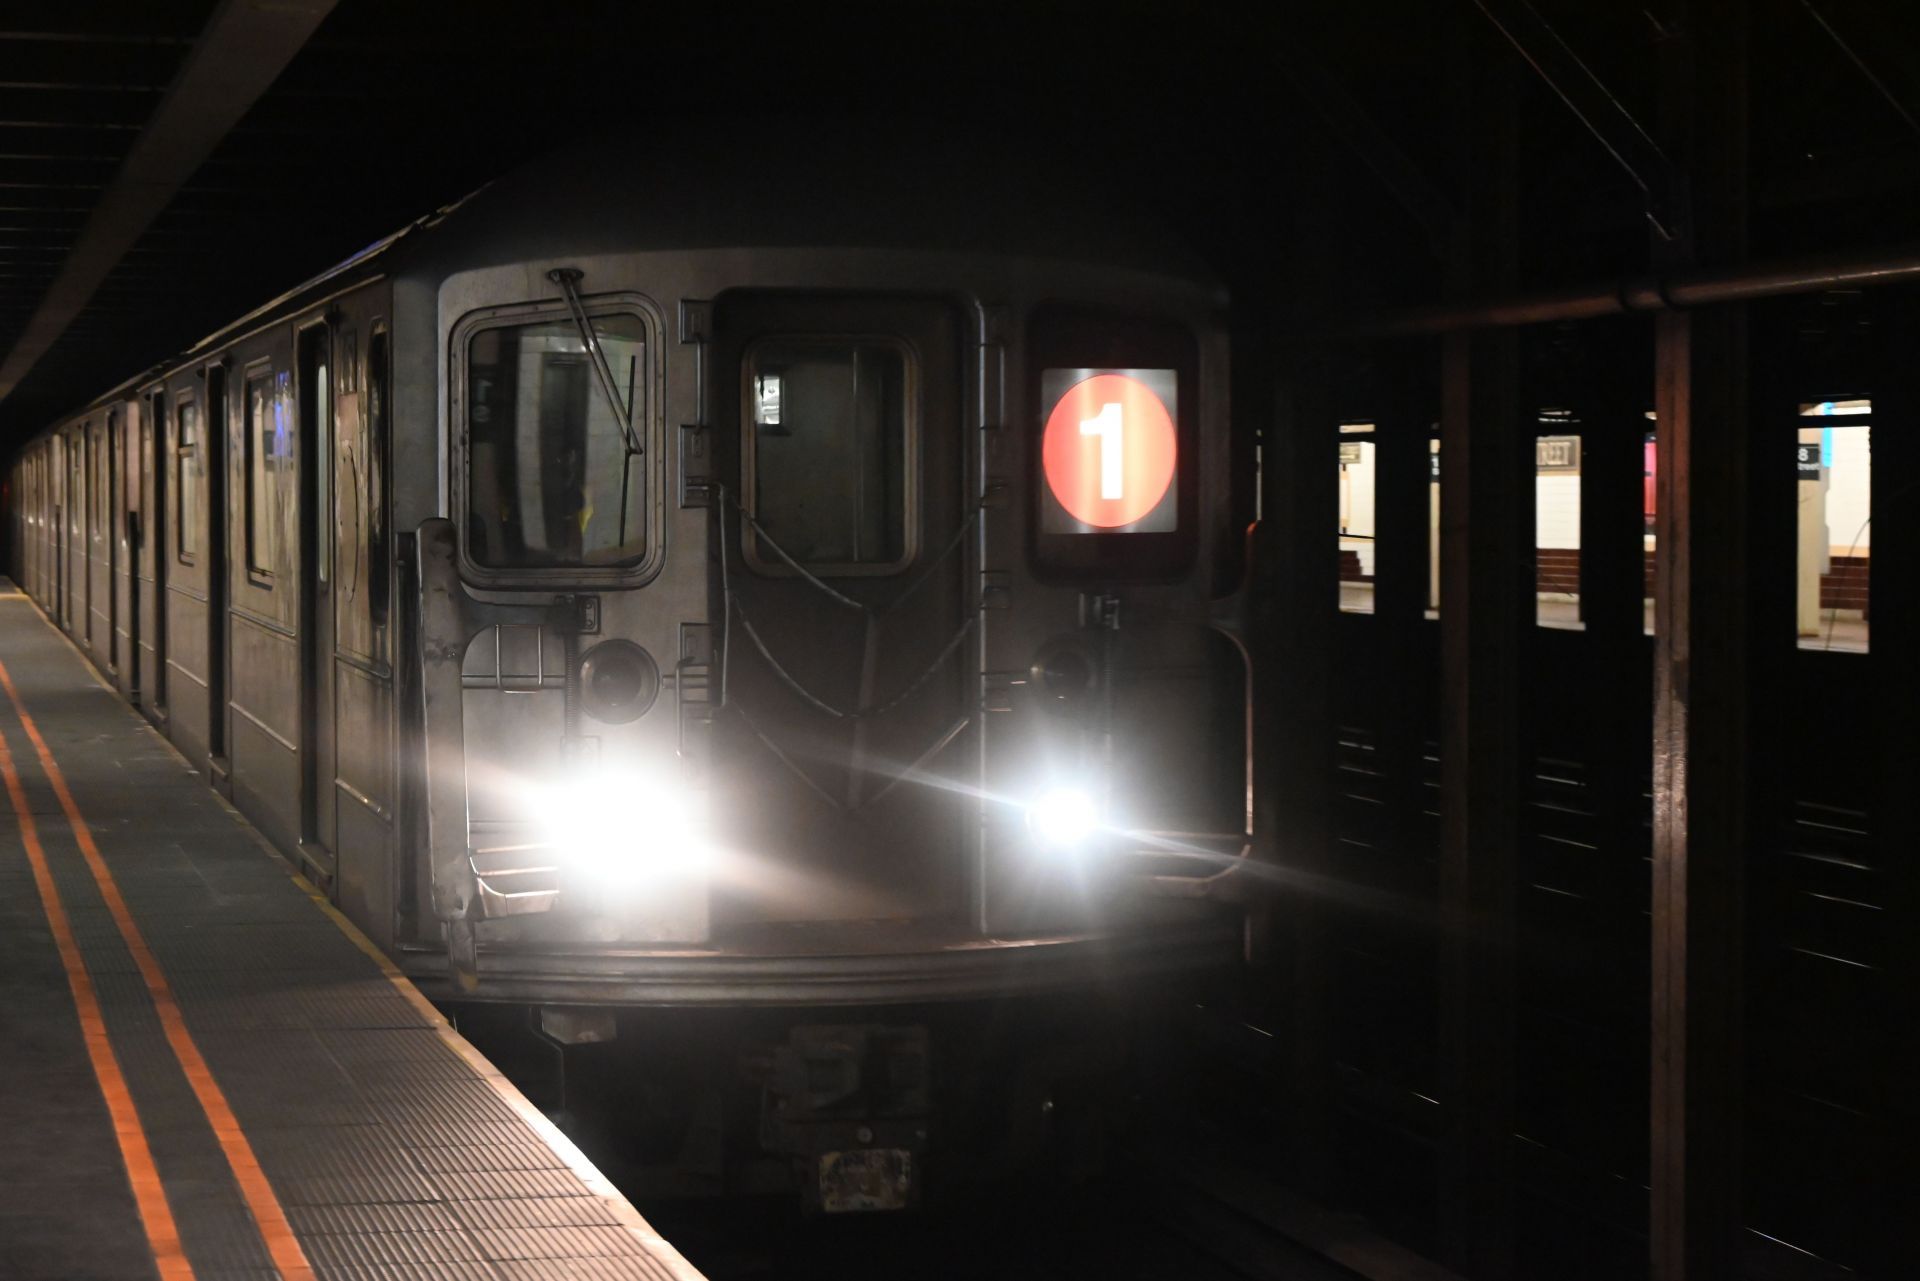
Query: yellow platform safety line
[[269, 1216], [149, 1193]]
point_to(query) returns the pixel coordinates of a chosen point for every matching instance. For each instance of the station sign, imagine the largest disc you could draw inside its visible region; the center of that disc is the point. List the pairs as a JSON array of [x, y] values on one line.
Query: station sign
[[1110, 451], [1557, 455], [1807, 455]]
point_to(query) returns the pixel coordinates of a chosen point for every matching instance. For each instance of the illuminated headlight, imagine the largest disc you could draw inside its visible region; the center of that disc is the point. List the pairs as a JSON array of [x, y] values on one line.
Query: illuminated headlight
[[616, 830], [1064, 816]]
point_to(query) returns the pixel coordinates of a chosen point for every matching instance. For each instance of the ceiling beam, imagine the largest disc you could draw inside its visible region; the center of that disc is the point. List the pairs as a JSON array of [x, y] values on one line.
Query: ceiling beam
[[1348, 121], [1897, 96], [245, 46], [1597, 107]]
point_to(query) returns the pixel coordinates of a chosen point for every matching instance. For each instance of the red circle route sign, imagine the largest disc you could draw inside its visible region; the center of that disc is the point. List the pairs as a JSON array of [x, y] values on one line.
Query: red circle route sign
[[1109, 450]]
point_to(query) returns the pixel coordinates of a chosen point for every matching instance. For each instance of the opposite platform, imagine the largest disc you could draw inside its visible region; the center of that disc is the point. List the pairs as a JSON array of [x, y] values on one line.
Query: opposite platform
[[207, 1073]]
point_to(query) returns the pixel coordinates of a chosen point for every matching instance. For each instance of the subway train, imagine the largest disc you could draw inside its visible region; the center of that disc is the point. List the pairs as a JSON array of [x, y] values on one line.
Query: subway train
[[643, 589]]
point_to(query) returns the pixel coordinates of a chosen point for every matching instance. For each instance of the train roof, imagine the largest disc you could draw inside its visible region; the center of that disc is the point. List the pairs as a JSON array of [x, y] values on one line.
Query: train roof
[[821, 184], [771, 183]]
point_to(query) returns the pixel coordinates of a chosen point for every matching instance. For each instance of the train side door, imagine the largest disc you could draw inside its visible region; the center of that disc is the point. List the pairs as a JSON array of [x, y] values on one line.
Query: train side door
[[62, 507], [214, 525], [64, 536], [127, 538], [317, 638], [185, 550], [70, 503], [266, 732], [88, 543], [100, 540], [364, 693], [114, 538], [79, 538], [150, 588]]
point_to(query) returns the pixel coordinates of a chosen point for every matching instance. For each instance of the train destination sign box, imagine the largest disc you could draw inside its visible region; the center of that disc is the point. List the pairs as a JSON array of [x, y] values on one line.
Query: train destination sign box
[[1110, 451]]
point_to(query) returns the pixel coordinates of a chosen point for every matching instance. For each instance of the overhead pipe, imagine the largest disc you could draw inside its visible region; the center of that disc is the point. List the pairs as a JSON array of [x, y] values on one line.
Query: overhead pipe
[[1697, 288]]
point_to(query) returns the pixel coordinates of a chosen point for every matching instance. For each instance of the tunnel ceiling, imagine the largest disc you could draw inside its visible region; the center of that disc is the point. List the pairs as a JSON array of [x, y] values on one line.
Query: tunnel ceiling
[[1275, 136]]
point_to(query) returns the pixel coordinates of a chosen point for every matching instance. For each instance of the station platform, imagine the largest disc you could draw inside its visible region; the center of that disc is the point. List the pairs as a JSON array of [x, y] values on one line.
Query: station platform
[[207, 1073]]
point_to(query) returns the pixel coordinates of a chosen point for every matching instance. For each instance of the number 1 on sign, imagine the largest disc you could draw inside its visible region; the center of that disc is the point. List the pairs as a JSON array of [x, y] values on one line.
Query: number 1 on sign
[[1109, 426]]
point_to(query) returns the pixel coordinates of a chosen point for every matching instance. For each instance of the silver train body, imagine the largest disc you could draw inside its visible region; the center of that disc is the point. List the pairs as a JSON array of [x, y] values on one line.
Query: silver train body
[[632, 587]]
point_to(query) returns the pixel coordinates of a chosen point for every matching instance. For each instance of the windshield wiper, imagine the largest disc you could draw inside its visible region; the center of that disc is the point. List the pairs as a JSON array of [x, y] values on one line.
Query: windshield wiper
[[568, 278]]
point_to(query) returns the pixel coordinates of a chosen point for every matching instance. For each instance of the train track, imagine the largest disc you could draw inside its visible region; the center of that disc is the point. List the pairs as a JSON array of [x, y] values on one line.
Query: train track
[[1158, 1223]]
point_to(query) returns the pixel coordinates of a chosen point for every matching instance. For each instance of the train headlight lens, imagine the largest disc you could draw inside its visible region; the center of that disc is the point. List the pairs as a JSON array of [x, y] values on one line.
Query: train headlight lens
[[1063, 673], [618, 832], [618, 681], [1064, 816]]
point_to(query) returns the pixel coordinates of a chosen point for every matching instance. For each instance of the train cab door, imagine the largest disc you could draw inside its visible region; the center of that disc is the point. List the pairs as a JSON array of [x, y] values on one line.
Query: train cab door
[[318, 753], [838, 430]]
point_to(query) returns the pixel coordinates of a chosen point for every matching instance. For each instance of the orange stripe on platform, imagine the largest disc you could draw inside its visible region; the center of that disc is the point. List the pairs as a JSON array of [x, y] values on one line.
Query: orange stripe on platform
[[268, 1214], [156, 1218]]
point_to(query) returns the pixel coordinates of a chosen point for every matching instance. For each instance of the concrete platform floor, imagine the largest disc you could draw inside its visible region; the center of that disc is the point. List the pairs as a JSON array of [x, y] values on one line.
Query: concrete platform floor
[[207, 1073]]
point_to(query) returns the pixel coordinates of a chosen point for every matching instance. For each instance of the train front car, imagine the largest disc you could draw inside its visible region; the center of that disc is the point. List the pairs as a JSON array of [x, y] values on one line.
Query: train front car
[[821, 620]]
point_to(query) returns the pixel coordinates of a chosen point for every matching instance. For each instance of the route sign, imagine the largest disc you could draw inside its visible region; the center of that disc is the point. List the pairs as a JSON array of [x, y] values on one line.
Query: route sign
[[1110, 450]]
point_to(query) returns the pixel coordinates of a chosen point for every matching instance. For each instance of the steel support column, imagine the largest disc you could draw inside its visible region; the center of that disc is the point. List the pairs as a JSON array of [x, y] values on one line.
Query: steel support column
[[1704, 610], [1618, 703], [1895, 658], [1296, 601], [1484, 564], [1700, 805], [1486, 573], [1401, 573]]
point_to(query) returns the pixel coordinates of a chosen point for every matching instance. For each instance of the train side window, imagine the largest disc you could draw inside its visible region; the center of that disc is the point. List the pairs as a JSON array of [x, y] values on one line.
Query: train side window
[[1834, 461], [186, 454], [827, 453], [269, 446], [550, 480], [136, 435], [349, 360], [1357, 452]]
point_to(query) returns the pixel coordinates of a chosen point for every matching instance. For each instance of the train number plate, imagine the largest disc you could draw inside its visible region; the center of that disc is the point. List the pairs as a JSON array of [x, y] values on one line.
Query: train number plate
[[867, 1179]]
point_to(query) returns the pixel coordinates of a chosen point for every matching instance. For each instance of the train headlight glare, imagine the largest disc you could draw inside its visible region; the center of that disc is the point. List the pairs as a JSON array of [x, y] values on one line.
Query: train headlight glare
[[617, 832], [1063, 816]]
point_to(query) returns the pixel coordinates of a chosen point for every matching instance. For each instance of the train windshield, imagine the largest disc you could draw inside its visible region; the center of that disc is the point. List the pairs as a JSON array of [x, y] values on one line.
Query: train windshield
[[550, 480]]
